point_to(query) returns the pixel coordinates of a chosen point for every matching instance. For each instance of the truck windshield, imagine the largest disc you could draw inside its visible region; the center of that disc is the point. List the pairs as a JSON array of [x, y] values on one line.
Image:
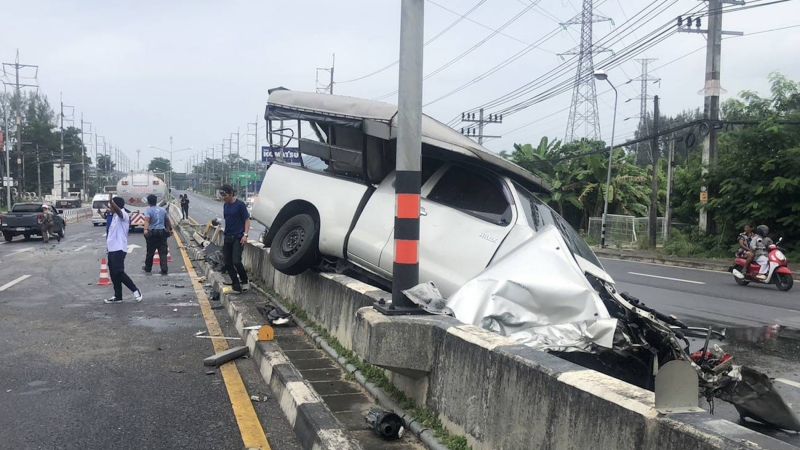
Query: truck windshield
[[539, 215], [97, 204], [27, 208]]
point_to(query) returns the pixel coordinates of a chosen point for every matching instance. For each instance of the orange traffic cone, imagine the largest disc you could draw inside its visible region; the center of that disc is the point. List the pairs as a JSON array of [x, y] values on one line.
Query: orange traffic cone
[[105, 280], [157, 258], [169, 256]]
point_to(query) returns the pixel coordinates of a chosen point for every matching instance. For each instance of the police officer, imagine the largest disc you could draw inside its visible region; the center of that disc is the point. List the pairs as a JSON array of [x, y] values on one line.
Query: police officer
[[156, 231]]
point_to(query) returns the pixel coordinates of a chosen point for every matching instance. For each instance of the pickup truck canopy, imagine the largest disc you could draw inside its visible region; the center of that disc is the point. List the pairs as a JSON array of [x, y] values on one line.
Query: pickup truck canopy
[[379, 119]]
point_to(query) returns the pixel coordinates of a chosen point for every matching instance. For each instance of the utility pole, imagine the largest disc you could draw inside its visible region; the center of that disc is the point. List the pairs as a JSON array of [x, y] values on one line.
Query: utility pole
[[61, 164], [17, 66], [83, 159], [655, 152], [482, 120], [711, 89], [138, 154], [38, 174], [668, 209], [255, 139], [326, 88], [583, 119], [409, 145]]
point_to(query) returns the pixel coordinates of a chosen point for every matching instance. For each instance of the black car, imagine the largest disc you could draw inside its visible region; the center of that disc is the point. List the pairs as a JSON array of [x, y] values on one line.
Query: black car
[[26, 219]]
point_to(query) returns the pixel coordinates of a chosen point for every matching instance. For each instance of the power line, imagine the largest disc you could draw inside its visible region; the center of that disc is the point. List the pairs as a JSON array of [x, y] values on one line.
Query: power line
[[437, 36]]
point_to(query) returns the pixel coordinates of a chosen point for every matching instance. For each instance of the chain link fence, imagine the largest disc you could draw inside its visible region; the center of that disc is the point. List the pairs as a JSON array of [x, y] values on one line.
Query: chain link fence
[[624, 231]]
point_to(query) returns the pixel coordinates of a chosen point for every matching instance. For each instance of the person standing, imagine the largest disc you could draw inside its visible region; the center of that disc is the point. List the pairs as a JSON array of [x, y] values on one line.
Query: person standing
[[185, 206], [156, 231], [237, 227], [48, 224], [117, 243]]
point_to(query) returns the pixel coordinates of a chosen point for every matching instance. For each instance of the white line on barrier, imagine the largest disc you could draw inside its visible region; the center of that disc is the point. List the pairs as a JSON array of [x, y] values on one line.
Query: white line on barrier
[[13, 282], [80, 248], [666, 278]]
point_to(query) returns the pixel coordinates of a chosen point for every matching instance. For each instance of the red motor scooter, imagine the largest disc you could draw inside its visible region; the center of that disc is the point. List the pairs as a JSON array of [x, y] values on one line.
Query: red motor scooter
[[778, 272]]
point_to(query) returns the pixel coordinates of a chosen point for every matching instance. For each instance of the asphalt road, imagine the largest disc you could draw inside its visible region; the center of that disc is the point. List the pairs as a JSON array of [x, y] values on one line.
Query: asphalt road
[[203, 209], [77, 373], [706, 297]]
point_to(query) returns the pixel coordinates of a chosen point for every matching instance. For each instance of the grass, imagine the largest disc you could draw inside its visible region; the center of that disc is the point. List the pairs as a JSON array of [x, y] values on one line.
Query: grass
[[377, 376]]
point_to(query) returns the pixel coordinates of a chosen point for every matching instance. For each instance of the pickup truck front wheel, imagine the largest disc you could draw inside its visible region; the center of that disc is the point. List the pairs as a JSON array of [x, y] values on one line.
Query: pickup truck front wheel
[[294, 248], [8, 237]]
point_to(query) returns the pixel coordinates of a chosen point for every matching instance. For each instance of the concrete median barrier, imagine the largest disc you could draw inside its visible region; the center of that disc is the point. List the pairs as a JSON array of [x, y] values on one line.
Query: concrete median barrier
[[499, 394]]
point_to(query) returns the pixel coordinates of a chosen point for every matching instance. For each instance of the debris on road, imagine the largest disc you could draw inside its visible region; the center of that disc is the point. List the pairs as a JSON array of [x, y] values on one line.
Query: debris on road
[[201, 333], [428, 297], [219, 337], [385, 424], [223, 357], [259, 398]]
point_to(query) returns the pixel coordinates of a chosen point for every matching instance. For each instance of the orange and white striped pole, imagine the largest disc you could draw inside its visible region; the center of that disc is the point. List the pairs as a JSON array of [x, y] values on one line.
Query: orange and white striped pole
[[409, 145]]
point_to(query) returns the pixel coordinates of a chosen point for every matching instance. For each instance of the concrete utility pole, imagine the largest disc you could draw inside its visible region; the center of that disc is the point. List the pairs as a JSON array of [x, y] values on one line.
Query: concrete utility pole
[[326, 88], [668, 208], [61, 165], [711, 88], [83, 159], [656, 153], [17, 66], [138, 154], [482, 120], [409, 146], [39, 174]]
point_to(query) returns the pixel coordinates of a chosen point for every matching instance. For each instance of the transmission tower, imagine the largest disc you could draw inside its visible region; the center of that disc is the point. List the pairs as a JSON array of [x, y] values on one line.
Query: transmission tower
[[644, 157], [583, 120]]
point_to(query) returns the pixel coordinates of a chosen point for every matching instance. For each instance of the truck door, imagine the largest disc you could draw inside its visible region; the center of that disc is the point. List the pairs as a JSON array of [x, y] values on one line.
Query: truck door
[[465, 215]]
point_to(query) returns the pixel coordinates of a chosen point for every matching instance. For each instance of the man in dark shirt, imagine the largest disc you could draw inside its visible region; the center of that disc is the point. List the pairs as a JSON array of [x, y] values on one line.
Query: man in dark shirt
[[237, 227]]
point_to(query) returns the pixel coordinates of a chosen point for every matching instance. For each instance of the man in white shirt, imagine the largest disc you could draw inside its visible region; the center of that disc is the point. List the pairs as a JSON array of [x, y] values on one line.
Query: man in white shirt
[[117, 243]]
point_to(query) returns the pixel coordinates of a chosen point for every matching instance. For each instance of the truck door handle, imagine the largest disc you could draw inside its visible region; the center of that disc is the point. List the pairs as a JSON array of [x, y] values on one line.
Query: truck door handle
[[422, 211]]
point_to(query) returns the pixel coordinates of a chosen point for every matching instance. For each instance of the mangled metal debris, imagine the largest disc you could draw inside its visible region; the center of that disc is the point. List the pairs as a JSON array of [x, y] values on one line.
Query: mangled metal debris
[[544, 296]]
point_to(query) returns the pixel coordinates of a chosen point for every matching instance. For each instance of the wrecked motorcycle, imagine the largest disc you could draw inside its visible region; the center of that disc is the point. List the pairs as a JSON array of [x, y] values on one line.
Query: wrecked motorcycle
[[552, 295]]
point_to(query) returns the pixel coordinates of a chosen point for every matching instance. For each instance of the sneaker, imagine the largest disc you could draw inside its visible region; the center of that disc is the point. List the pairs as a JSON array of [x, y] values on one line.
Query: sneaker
[[145, 269], [137, 295], [112, 300], [164, 272], [737, 273], [235, 291], [245, 287]]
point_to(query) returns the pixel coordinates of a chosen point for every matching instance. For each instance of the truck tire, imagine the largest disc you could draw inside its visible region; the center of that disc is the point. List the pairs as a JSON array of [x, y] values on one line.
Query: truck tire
[[27, 236], [295, 246], [8, 237]]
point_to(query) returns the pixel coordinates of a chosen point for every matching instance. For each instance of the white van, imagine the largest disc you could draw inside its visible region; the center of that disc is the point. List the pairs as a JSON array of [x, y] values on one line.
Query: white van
[[99, 206]]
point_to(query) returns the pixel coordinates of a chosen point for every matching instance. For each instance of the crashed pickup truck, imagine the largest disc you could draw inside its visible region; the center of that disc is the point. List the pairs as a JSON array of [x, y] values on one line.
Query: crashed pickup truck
[[500, 258]]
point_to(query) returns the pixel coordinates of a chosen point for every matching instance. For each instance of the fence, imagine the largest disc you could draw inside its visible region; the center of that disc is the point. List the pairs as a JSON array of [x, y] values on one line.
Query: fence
[[624, 231], [75, 215]]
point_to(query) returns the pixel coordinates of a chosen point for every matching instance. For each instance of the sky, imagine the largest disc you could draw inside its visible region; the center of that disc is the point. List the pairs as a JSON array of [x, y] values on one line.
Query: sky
[[199, 71]]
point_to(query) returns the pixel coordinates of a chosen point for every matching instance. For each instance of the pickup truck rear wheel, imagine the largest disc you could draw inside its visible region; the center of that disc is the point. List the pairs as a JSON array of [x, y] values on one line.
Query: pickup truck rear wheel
[[8, 237], [295, 246]]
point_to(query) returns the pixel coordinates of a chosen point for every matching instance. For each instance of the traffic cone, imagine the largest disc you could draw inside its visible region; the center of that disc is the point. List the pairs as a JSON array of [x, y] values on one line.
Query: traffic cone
[[105, 280], [157, 258], [169, 256]]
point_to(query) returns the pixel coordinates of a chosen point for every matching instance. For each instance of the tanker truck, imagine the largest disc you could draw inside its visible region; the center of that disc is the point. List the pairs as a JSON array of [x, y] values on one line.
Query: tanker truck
[[134, 189]]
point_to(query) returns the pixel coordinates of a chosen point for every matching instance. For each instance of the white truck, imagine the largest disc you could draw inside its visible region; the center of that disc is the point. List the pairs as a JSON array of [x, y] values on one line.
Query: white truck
[[134, 189]]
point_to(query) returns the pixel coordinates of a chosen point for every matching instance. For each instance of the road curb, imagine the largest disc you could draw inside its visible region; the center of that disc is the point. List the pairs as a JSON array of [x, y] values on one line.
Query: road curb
[[312, 421], [665, 261]]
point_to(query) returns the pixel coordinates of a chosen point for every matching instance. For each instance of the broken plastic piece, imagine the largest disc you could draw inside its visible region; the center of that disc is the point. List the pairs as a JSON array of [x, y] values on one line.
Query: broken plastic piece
[[223, 357]]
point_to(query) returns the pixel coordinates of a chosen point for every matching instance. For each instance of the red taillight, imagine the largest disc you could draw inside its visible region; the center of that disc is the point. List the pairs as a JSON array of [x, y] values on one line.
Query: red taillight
[[40, 218]]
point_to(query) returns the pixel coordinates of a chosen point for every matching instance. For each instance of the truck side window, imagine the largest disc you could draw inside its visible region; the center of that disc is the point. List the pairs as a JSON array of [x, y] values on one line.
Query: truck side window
[[474, 193]]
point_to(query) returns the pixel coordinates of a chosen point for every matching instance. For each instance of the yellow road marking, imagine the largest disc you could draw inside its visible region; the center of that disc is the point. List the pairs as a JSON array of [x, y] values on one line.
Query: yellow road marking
[[250, 428]]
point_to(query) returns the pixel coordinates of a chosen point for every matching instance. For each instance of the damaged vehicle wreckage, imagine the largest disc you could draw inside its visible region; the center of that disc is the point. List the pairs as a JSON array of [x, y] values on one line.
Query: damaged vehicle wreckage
[[491, 253]]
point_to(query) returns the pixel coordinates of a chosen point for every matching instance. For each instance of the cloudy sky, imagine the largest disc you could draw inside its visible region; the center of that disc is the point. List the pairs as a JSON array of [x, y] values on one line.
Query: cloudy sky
[[199, 70]]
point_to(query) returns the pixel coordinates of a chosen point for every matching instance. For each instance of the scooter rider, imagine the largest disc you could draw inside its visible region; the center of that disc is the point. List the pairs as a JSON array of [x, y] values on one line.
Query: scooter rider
[[744, 250], [760, 245]]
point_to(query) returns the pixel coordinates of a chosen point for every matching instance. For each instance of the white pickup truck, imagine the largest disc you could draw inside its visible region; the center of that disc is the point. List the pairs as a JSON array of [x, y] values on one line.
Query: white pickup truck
[[475, 206]]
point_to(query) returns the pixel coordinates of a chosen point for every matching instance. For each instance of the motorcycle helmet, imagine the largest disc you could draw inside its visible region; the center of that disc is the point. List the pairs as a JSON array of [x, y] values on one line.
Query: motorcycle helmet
[[762, 230]]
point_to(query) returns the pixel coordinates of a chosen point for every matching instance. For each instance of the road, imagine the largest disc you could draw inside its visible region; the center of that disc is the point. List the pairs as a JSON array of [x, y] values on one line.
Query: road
[[706, 297], [203, 209], [77, 373]]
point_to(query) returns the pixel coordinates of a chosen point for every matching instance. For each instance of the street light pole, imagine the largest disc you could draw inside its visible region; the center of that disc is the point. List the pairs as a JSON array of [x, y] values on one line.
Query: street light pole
[[601, 75]]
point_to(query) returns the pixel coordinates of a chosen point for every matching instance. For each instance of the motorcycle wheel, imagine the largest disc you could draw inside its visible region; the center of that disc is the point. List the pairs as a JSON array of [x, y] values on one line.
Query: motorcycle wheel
[[783, 282], [740, 281]]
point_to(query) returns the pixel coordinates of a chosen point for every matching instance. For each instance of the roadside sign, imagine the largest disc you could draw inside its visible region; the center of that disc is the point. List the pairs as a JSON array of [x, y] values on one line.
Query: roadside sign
[[244, 177], [291, 155], [704, 197]]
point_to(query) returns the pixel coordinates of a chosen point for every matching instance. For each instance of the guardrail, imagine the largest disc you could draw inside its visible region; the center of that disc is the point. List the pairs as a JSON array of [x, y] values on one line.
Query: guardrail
[[76, 215]]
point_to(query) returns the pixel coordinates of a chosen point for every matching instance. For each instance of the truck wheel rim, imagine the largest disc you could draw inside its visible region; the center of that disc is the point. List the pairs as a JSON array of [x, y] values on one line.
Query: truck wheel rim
[[293, 241]]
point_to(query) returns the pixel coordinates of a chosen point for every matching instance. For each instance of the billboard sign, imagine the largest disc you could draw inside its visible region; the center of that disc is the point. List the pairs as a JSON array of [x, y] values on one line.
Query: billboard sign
[[291, 155]]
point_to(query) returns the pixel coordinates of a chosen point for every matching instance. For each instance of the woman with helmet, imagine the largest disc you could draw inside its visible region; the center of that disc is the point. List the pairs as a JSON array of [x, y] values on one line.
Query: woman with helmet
[[760, 244]]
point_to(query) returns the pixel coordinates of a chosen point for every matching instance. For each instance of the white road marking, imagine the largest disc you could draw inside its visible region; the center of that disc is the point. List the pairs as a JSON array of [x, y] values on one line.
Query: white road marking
[[26, 249], [666, 264], [133, 246], [666, 278], [81, 248], [13, 282], [789, 382]]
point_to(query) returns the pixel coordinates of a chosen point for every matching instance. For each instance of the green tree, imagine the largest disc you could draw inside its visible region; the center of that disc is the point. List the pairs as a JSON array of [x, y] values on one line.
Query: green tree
[[159, 164]]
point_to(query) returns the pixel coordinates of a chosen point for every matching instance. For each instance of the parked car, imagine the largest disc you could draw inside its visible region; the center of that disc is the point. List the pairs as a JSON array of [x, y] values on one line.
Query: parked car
[[26, 219], [68, 203]]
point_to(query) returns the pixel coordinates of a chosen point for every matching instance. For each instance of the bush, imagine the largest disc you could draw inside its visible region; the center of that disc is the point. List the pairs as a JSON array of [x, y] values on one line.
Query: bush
[[695, 244]]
